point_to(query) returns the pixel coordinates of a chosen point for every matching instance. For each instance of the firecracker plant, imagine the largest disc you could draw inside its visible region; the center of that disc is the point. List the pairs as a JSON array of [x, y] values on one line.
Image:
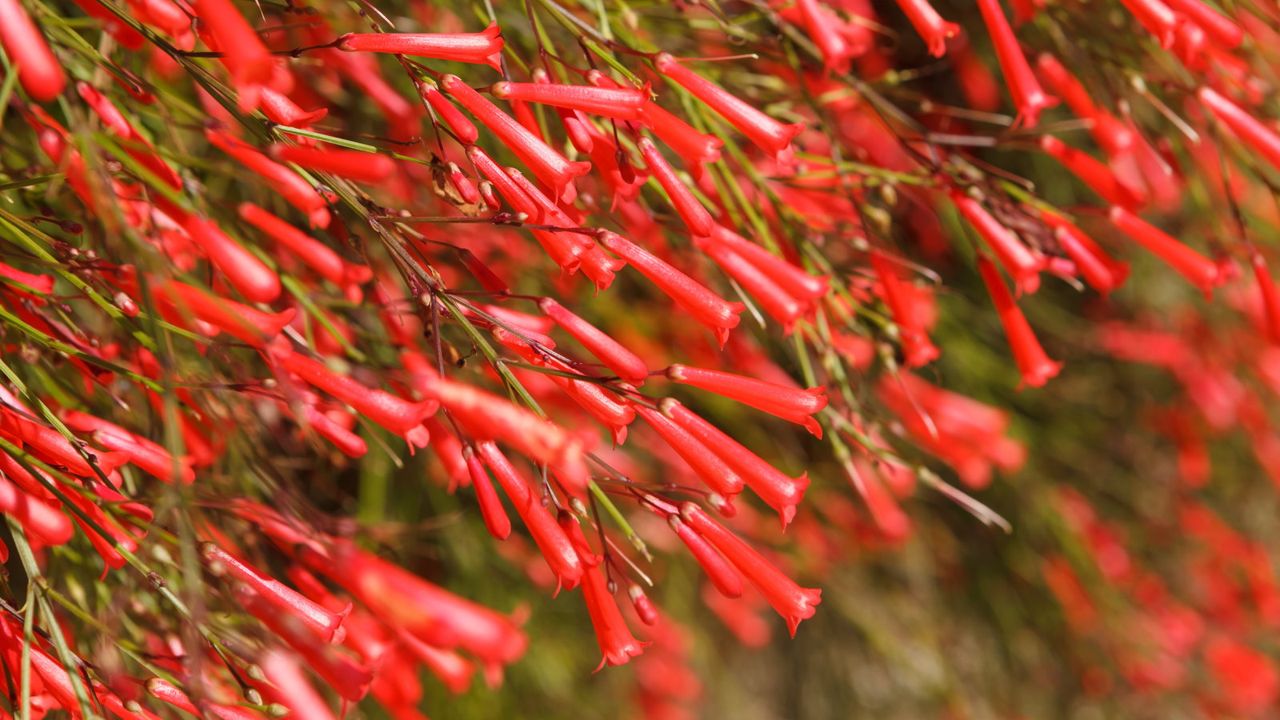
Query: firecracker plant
[[343, 343]]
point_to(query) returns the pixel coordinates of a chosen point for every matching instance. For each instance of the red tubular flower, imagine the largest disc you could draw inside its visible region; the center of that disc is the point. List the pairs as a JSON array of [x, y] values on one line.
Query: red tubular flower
[[775, 301], [1112, 135], [788, 599], [693, 147], [713, 470], [240, 321], [348, 678], [1024, 89], [929, 25], [792, 279], [1016, 258], [349, 443], [165, 692], [482, 48], [38, 70], [1198, 269], [246, 273], [573, 529], [325, 624], [917, 349], [824, 28], [1261, 138], [281, 110], [450, 115], [453, 670], [1222, 29], [1033, 363], [1270, 296], [705, 306], [243, 53], [643, 606], [564, 248], [721, 574], [491, 510], [1103, 272], [1096, 175], [487, 416], [282, 669], [617, 358], [327, 263], [884, 509], [147, 455], [52, 447], [556, 547], [393, 413], [763, 131], [620, 103], [431, 613], [298, 192], [614, 637], [789, 403], [37, 517], [1156, 17], [351, 164], [135, 145], [781, 492], [40, 284], [546, 163], [687, 206]]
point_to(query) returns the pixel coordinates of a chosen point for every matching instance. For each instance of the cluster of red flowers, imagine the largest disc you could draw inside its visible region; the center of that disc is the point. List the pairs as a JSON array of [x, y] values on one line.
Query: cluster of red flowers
[[375, 291]]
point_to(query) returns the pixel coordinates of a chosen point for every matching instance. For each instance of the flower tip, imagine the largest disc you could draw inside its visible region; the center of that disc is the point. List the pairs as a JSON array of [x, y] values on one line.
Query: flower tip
[[1041, 373]]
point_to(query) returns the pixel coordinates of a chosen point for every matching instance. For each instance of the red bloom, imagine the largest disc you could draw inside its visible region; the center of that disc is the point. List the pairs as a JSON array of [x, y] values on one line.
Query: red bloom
[[1198, 269], [1156, 17], [1099, 269], [712, 469], [1016, 258], [243, 53], [617, 358], [491, 510], [326, 625], [917, 349], [298, 192], [1025, 90], [1097, 176], [280, 109], [1270, 296], [1112, 135], [788, 403], [929, 25], [705, 306], [615, 638], [292, 687], [546, 163], [393, 413], [147, 455], [178, 300], [766, 133], [687, 206], [693, 147], [781, 492], [1261, 138], [327, 263], [1033, 363], [352, 164], [620, 103], [449, 114], [721, 574], [558, 550], [1221, 28], [482, 48], [38, 70], [788, 599], [246, 273]]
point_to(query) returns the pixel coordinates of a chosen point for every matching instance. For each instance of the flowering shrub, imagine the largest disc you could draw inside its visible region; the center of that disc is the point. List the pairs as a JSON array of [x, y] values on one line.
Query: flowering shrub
[[300, 300]]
